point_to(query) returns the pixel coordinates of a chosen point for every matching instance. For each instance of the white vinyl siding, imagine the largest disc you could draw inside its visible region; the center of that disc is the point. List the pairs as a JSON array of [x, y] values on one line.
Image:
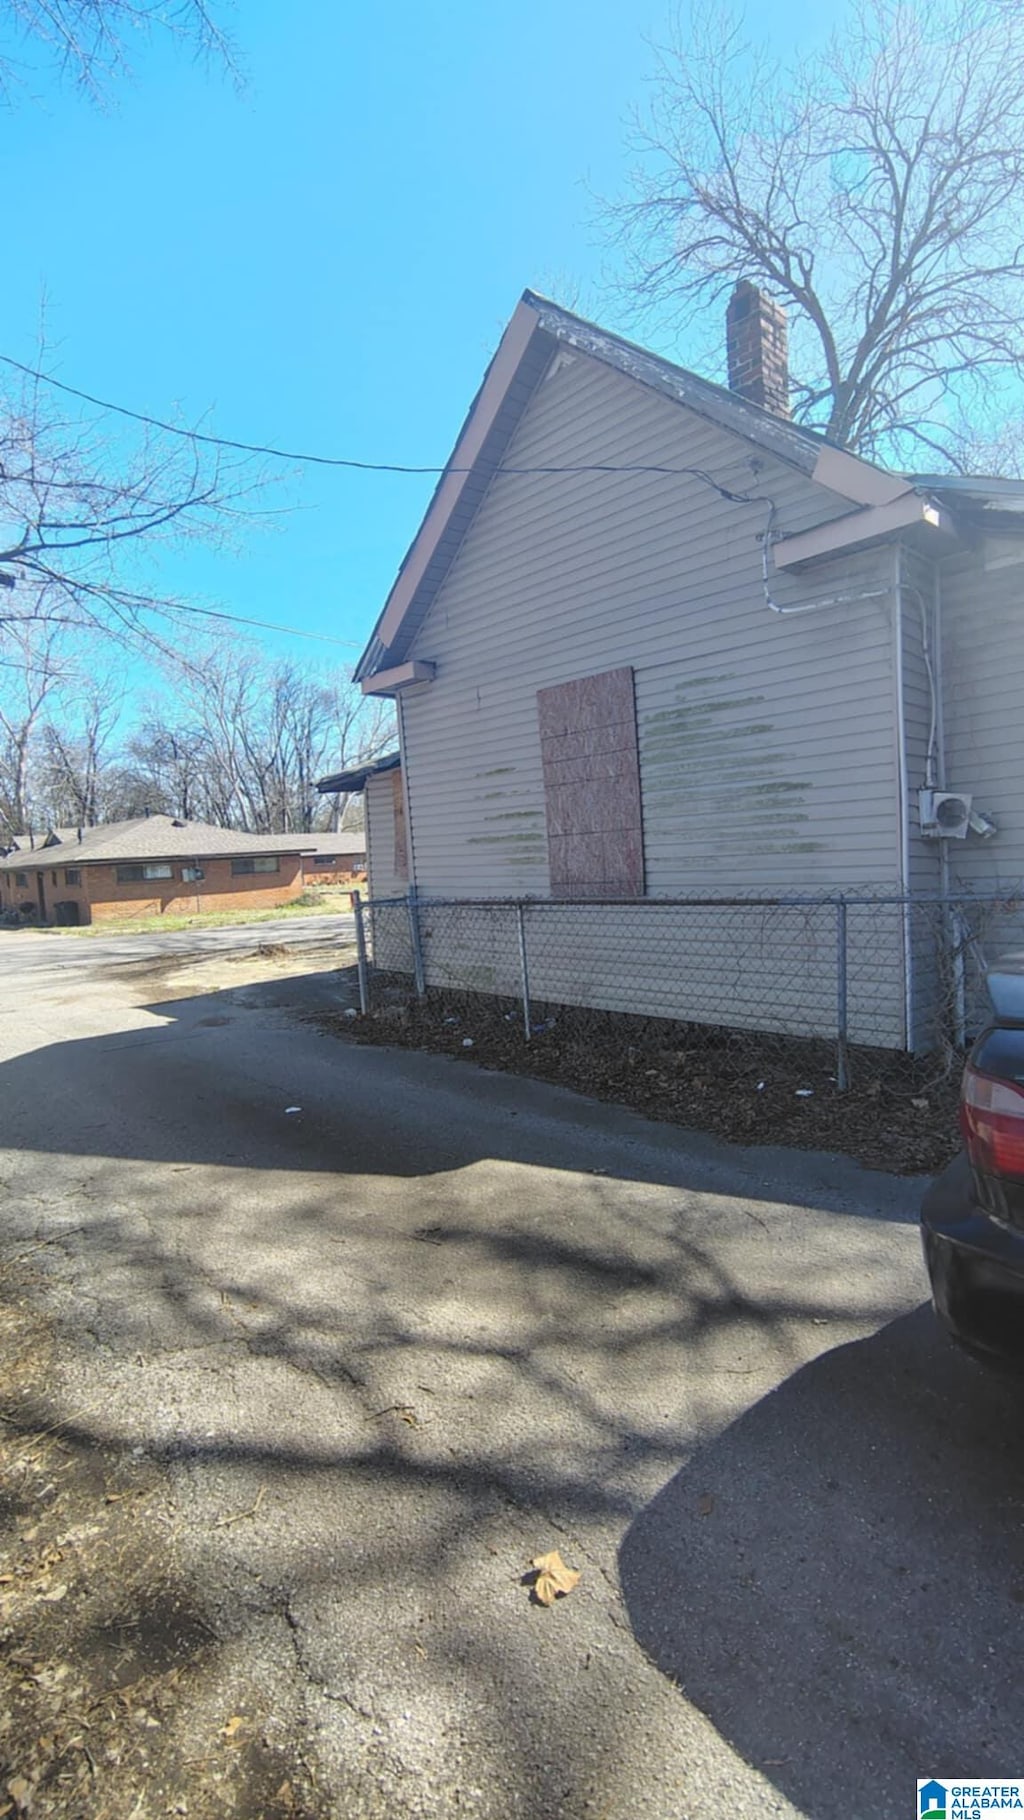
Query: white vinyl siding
[[383, 878], [767, 745], [982, 632], [983, 709]]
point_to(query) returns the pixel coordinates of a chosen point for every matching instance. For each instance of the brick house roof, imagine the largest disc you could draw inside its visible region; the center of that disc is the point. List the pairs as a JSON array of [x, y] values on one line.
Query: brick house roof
[[346, 843], [153, 837]]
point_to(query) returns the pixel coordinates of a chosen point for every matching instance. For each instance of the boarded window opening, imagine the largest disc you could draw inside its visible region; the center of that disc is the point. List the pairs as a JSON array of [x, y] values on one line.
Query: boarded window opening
[[592, 786]]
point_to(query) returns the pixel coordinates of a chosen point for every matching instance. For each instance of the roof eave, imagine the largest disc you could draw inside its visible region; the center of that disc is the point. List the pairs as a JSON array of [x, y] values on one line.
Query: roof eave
[[354, 780]]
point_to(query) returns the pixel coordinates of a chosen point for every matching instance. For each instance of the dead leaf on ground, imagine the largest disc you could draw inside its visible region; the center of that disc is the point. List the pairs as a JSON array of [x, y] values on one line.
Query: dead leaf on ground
[[554, 1579], [706, 1504], [233, 1726], [20, 1792]]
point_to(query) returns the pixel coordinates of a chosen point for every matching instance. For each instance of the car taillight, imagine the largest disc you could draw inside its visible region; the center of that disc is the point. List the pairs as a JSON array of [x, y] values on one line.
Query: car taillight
[[992, 1121]]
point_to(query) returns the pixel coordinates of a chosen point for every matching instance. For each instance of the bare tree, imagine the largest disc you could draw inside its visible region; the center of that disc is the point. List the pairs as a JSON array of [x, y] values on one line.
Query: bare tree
[[34, 670], [78, 503], [232, 737], [164, 770], [77, 508], [240, 739], [875, 191], [72, 772], [91, 41]]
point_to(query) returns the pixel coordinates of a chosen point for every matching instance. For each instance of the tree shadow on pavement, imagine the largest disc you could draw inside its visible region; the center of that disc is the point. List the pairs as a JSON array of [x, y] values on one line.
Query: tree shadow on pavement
[[381, 1350], [452, 1112], [837, 1579]]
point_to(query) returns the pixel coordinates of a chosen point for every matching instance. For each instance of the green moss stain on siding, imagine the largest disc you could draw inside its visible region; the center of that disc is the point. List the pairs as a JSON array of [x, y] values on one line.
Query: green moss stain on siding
[[516, 834], [714, 778]]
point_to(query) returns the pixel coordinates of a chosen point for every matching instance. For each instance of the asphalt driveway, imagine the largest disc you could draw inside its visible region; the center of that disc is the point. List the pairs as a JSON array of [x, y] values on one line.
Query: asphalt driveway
[[385, 1326]]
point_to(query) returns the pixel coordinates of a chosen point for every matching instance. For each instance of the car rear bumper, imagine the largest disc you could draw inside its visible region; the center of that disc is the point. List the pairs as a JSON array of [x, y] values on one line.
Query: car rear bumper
[[976, 1266]]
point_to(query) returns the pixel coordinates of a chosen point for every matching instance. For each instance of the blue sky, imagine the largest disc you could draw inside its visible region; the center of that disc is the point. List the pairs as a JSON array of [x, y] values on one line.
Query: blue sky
[[326, 259]]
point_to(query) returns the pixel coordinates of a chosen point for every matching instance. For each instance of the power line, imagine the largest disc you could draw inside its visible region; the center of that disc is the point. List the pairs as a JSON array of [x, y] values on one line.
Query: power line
[[365, 467], [217, 442], [266, 625]]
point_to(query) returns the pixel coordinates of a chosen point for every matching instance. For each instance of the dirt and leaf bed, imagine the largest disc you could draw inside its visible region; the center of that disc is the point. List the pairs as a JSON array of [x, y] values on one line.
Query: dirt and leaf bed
[[898, 1113], [113, 1704]]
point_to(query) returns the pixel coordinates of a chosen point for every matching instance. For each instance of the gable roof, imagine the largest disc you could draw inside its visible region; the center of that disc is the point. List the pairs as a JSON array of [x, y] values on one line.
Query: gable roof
[[54, 837], [153, 837], [536, 331]]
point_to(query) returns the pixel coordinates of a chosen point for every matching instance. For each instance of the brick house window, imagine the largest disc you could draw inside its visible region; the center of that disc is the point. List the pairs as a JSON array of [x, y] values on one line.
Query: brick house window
[[21, 878], [130, 875], [592, 786], [257, 862], [192, 875], [324, 859], [72, 876]]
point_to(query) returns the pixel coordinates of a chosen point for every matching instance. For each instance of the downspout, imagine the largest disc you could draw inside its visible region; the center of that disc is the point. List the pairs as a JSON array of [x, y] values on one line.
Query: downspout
[[904, 792], [952, 926], [953, 923]]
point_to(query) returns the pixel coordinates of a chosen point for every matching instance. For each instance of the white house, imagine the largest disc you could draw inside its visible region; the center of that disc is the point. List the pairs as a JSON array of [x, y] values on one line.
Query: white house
[[653, 640]]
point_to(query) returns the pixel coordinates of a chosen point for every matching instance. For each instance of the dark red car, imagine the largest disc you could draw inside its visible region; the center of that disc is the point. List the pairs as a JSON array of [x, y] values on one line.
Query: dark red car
[[972, 1216]]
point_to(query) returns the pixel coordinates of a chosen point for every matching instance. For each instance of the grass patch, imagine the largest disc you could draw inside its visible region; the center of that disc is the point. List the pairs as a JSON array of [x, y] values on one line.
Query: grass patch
[[311, 903]]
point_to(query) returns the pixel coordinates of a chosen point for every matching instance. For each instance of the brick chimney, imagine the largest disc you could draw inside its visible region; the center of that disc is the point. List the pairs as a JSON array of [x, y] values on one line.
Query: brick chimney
[[757, 342]]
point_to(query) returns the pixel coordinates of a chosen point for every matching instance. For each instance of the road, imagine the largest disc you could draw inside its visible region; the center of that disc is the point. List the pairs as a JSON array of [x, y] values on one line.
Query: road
[[58, 953], [387, 1326]]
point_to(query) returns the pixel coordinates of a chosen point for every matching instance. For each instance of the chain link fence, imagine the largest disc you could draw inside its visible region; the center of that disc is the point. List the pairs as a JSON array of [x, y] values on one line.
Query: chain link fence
[[673, 1003]]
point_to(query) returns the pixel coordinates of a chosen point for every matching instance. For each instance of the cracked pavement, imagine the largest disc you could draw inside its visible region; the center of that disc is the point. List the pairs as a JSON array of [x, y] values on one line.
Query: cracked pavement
[[389, 1346]]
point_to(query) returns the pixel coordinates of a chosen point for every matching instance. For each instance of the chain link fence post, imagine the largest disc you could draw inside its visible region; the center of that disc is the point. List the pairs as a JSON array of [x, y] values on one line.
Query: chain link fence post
[[524, 969], [419, 971], [361, 961], [842, 1000], [958, 946]]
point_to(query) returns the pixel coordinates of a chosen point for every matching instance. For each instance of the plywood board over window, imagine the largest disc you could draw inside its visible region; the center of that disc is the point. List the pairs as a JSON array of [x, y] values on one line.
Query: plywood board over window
[[592, 786]]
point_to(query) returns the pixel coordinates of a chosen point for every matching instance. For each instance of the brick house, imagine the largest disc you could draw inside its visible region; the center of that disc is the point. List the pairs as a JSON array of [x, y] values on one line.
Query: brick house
[[334, 859], [152, 865]]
